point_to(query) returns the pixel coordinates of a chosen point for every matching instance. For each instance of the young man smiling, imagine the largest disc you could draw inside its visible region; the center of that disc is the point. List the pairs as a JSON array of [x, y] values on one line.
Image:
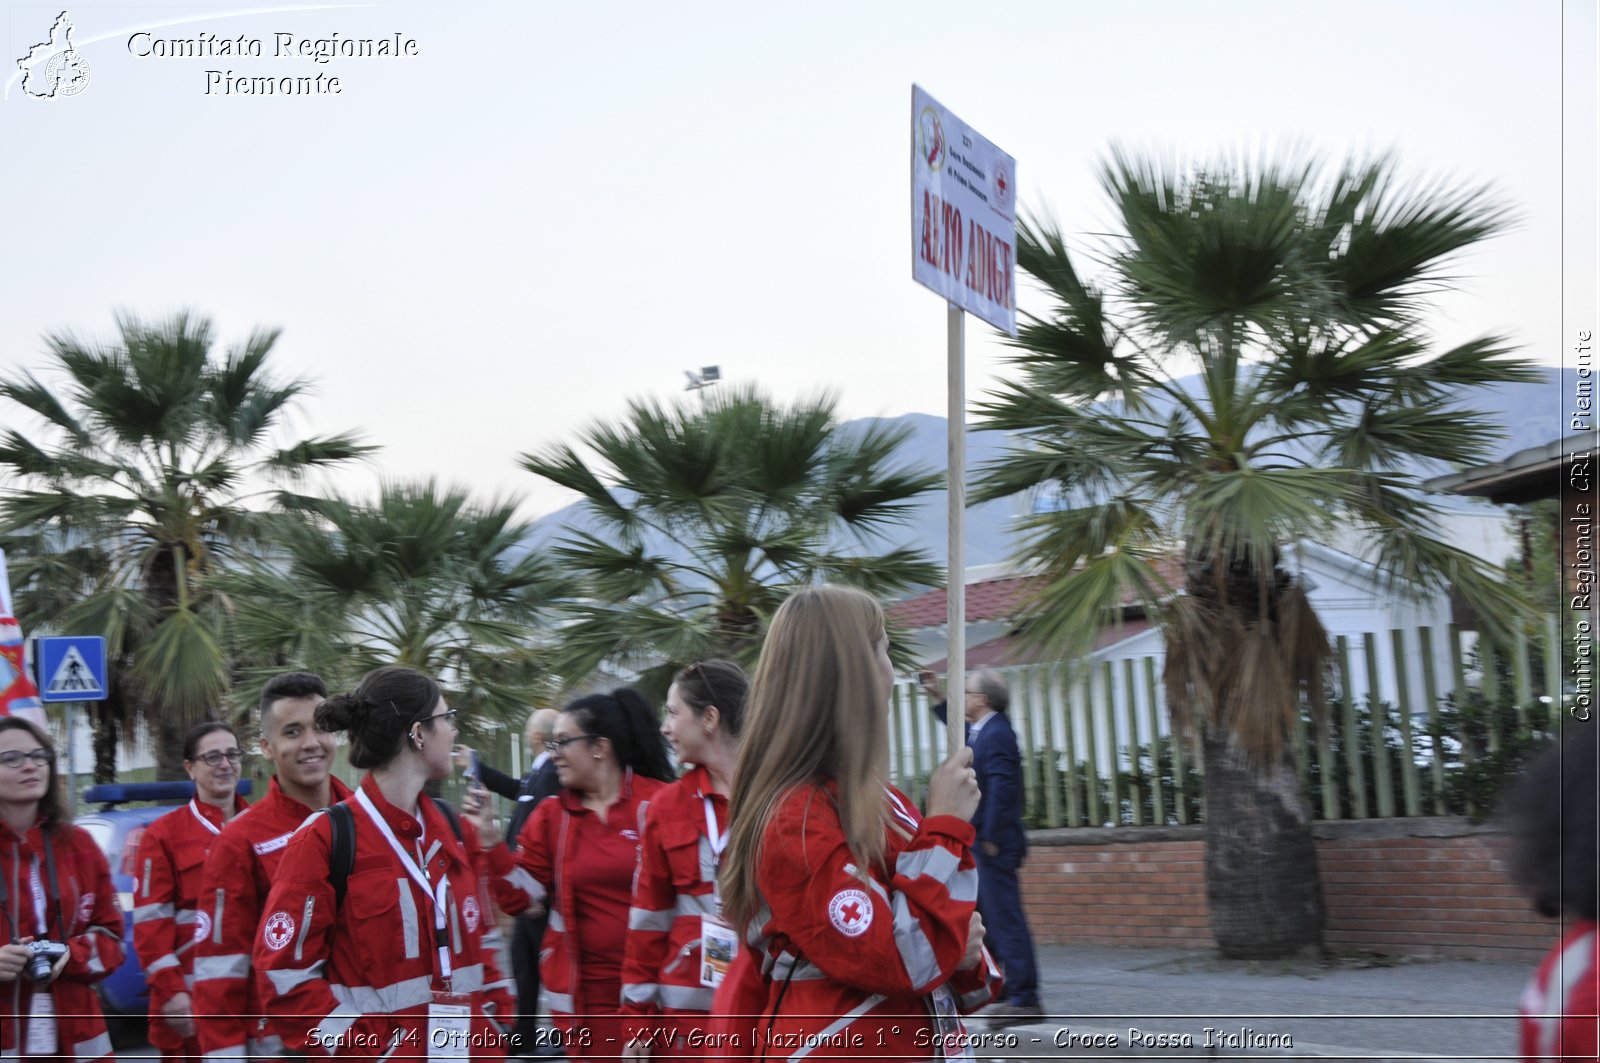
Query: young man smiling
[[244, 858]]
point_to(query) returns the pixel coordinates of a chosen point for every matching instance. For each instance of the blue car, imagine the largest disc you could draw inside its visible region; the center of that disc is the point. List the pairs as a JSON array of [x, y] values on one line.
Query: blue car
[[117, 831]]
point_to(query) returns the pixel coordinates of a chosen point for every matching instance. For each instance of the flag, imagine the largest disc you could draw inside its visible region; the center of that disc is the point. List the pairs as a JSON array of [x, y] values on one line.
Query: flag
[[18, 695]]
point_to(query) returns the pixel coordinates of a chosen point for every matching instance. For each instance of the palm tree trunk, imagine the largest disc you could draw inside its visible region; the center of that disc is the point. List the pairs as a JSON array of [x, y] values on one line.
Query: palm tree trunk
[[1263, 890], [107, 729]]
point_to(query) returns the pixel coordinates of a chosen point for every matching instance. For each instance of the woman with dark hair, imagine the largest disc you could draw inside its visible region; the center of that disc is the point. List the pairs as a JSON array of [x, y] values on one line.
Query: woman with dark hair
[[396, 965], [857, 915], [169, 867], [1554, 818], [62, 926], [678, 946], [576, 855]]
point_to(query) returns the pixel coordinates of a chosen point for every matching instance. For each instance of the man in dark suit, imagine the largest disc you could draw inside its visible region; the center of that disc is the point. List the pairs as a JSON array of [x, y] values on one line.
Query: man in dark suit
[[527, 930], [1002, 843]]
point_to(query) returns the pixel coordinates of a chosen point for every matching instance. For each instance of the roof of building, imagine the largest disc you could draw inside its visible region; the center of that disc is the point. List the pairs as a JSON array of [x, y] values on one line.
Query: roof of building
[[998, 599], [1008, 650], [1526, 476]]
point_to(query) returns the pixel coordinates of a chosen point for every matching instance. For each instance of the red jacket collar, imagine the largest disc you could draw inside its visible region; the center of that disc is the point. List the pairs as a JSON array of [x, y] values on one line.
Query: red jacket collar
[[572, 800], [337, 791], [212, 814]]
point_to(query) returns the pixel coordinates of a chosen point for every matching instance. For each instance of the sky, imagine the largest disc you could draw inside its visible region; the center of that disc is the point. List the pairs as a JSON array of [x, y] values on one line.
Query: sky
[[550, 209]]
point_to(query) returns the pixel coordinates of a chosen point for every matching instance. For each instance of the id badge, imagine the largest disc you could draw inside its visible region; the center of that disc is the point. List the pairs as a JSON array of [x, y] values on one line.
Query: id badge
[[450, 1026], [947, 1025], [41, 1025], [719, 944]]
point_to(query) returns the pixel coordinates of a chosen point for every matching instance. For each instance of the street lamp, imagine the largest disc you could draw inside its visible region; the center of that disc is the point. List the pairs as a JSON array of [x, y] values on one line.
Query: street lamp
[[708, 375]]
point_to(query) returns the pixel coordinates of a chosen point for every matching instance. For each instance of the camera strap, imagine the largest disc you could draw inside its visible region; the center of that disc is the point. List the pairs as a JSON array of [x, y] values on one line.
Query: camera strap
[[55, 893], [5, 903], [55, 884]]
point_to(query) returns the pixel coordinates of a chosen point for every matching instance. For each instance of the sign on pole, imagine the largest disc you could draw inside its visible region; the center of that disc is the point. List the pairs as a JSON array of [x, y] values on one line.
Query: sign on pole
[[963, 246], [71, 667], [963, 214]]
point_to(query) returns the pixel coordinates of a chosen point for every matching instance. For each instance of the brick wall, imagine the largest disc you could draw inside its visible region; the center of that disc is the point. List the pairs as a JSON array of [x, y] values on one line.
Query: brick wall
[[1420, 887]]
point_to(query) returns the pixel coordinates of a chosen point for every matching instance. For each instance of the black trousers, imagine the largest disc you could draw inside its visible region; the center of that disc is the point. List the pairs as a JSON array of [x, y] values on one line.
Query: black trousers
[[527, 934]]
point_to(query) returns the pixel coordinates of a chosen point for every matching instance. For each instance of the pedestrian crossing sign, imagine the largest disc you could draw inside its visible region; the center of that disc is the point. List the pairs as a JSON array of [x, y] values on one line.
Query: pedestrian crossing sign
[[71, 667]]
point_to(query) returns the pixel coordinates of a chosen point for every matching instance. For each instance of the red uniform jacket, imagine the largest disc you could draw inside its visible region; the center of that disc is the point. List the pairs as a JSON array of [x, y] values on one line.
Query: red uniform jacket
[[675, 888], [843, 964], [238, 874], [92, 931], [357, 982], [1560, 1005], [582, 870], [170, 860]]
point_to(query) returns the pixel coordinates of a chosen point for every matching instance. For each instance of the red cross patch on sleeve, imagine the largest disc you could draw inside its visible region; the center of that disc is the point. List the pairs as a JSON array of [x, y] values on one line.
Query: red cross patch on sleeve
[[850, 912]]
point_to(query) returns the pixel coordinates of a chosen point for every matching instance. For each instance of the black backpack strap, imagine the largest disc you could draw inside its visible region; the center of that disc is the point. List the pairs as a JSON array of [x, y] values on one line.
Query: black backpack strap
[[454, 817], [342, 858]]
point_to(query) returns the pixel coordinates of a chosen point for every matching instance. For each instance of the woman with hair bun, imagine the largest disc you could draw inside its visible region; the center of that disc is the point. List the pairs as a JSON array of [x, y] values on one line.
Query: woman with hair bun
[[858, 916], [678, 945], [576, 856], [403, 963]]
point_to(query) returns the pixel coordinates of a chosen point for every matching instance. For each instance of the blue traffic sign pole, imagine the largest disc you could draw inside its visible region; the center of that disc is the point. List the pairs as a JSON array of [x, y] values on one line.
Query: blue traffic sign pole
[[72, 671]]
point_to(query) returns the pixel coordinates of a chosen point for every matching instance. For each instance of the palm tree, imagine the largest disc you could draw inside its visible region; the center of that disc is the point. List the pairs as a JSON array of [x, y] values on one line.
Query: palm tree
[[423, 577], [702, 518], [136, 494], [1297, 297]]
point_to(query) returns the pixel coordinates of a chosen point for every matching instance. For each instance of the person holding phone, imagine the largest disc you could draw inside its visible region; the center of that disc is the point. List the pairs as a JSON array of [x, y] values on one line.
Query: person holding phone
[[576, 855], [527, 927]]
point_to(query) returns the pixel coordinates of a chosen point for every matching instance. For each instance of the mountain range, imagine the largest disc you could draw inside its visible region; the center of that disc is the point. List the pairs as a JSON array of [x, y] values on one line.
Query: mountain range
[[1529, 414]]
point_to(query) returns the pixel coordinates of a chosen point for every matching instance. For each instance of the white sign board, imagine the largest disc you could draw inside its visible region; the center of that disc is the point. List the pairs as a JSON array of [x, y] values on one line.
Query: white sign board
[[963, 214]]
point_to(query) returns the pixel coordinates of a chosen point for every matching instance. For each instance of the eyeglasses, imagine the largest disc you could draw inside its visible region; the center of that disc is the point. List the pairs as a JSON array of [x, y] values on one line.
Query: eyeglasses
[[561, 743], [215, 758], [13, 758], [448, 714]]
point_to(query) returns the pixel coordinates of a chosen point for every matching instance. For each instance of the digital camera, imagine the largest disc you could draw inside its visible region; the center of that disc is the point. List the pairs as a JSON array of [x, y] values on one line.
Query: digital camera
[[45, 955]]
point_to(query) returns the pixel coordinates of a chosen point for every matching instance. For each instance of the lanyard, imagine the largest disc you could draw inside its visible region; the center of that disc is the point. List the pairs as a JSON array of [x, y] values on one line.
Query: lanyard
[[40, 908], [718, 839], [900, 810], [420, 876], [204, 822]]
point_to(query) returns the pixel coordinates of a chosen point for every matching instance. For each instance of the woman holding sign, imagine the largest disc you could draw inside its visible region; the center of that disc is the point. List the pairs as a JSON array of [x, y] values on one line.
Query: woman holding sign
[[857, 916], [678, 945]]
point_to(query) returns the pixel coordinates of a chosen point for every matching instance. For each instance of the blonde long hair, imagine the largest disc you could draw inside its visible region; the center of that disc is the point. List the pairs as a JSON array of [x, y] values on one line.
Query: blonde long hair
[[817, 711]]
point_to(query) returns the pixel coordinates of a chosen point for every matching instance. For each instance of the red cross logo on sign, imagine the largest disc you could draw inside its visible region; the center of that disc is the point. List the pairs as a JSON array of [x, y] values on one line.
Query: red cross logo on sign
[[850, 912]]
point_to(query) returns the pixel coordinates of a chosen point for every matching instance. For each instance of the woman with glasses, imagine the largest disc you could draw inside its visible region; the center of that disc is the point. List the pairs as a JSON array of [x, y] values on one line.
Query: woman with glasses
[[859, 932], [678, 946], [170, 863], [576, 856], [401, 963], [55, 890]]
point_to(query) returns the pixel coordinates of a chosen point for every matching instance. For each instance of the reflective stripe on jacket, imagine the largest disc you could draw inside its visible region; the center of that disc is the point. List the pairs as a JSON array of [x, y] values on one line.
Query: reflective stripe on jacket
[[674, 890]]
